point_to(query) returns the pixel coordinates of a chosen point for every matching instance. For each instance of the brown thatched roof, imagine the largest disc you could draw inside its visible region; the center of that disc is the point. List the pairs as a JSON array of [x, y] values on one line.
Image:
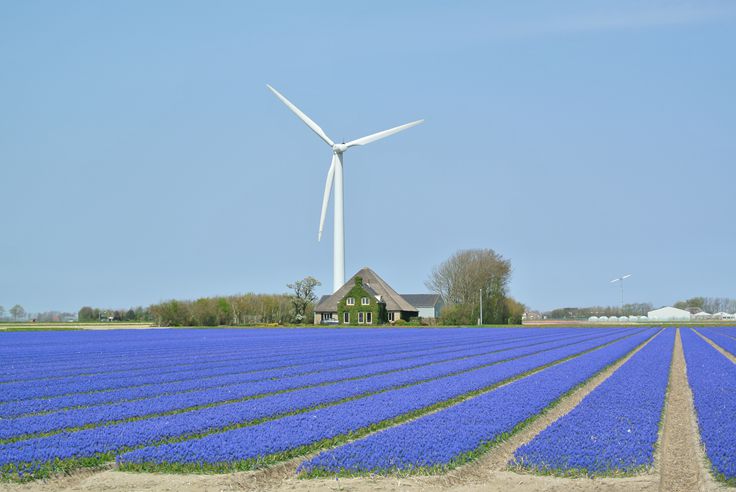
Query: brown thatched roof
[[371, 280]]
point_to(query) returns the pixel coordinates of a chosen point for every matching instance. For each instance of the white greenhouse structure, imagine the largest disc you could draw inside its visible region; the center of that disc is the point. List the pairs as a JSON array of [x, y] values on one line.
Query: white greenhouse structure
[[669, 313]]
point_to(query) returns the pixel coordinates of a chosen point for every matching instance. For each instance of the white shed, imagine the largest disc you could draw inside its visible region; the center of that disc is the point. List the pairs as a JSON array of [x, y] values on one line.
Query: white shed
[[669, 313], [702, 315], [603, 319]]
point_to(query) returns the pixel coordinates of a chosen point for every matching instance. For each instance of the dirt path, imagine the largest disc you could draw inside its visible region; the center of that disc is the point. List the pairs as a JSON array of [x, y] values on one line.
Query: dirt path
[[682, 462]]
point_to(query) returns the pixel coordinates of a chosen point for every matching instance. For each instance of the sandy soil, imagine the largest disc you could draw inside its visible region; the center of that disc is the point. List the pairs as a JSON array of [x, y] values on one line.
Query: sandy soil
[[680, 463]]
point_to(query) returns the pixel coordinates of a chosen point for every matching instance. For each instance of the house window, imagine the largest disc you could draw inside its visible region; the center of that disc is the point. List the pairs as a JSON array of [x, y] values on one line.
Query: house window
[[369, 317], [391, 316], [360, 318], [364, 301], [350, 301], [346, 317]]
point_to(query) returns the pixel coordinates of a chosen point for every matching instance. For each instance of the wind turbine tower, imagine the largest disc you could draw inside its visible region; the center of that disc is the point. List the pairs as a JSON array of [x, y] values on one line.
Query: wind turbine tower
[[335, 176], [621, 279]]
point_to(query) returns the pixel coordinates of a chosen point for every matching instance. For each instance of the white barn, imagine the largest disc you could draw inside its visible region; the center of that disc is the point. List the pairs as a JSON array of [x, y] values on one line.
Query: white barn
[[669, 313]]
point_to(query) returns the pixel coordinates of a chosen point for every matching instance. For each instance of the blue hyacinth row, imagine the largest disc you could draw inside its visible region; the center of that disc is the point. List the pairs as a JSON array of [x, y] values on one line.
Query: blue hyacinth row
[[118, 411], [19, 390], [86, 443], [251, 372], [307, 428], [712, 378], [441, 438], [615, 428]]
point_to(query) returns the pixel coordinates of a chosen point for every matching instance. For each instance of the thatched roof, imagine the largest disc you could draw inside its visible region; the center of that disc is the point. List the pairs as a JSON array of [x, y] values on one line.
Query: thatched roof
[[372, 282]]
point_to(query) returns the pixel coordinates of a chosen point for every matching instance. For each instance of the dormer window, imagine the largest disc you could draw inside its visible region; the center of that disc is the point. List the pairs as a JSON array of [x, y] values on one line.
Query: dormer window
[[365, 301], [350, 301]]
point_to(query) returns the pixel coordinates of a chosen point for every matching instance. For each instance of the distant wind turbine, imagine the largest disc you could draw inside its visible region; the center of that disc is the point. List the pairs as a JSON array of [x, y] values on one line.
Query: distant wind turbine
[[335, 174], [621, 279]]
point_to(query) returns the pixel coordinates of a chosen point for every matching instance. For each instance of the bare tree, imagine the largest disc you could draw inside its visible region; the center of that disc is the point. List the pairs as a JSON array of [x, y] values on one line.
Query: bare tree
[[467, 275], [303, 296], [2, 311], [17, 311]]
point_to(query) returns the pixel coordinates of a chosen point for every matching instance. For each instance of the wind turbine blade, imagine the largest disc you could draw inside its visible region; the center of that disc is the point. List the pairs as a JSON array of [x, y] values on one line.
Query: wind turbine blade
[[326, 197], [383, 134], [614, 280], [311, 124], [626, 276]]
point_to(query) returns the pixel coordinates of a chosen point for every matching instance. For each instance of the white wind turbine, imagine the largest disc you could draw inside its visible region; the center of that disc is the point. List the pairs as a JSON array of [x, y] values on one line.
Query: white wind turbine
[[335, 174], [621, 279]]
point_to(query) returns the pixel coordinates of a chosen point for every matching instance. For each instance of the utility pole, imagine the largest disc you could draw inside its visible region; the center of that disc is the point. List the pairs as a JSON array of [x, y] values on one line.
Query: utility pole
[[480, 320]]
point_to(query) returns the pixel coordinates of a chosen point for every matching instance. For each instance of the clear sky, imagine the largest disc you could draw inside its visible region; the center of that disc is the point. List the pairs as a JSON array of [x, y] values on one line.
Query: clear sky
[[143, 159]]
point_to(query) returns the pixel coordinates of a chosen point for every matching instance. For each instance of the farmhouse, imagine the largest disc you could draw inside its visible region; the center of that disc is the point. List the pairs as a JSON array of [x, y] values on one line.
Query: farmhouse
[[367, 299]]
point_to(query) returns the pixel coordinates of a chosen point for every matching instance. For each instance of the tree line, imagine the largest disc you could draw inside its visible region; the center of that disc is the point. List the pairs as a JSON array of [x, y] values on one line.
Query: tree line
[[16, 312], [708, 304], [236, 310], [470, 282], [633, 309]]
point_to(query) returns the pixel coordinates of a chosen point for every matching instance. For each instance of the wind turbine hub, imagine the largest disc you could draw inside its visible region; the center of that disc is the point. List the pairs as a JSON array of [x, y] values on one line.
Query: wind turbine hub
[[339, 148]]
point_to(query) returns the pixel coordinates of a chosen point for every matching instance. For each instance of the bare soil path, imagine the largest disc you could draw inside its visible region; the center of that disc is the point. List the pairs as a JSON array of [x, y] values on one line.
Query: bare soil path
[[681, 459]]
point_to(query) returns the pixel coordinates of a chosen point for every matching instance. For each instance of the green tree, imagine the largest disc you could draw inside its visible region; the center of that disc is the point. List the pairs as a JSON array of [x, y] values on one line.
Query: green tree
[[303, 297], [87, 314]]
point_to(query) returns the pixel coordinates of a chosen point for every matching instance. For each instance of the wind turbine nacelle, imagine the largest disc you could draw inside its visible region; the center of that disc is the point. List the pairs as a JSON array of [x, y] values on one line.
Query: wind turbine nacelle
[[339, 148]]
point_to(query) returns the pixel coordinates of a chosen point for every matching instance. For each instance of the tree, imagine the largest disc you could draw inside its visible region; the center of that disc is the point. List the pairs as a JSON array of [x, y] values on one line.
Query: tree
[[87, 314], [303, 297], [465, 277], [2, 311], [17, 311], [514, 310]]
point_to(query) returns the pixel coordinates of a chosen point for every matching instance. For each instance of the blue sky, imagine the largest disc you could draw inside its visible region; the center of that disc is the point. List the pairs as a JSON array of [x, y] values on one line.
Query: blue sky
[[143, 159]]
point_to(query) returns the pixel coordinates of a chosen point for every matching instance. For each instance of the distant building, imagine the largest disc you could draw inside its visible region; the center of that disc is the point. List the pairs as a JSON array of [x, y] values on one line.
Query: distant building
[[669, 313], [367, 299], [428, 305], [531, 316]]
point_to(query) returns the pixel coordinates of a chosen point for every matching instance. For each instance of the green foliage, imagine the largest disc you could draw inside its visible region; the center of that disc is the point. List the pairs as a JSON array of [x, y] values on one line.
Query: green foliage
[[357, 292], [458, 315], [514, 311]]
